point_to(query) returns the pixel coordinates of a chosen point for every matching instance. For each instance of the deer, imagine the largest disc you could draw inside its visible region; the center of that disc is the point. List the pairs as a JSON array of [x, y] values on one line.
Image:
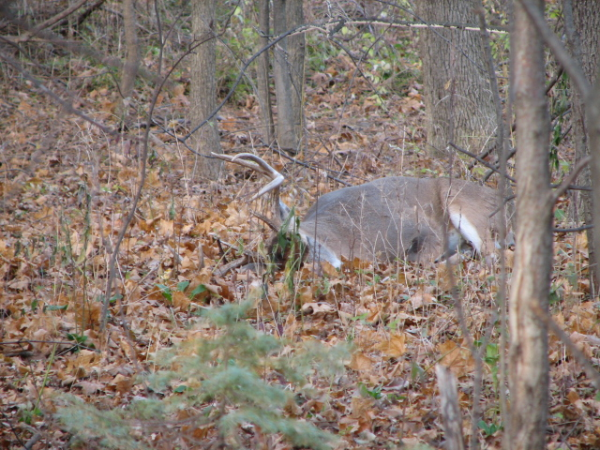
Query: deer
[[421, 220]]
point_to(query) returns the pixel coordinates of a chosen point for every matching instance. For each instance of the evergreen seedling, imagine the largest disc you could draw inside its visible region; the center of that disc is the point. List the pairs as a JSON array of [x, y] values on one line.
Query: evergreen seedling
[[239, 379]]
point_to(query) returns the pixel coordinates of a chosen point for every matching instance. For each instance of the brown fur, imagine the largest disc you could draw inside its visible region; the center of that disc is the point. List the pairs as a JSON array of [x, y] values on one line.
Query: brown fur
[[400, 217], [417, 219]]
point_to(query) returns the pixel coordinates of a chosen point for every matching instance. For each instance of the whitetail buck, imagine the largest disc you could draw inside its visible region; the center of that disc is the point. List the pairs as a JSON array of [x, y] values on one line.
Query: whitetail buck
[[417, 219]]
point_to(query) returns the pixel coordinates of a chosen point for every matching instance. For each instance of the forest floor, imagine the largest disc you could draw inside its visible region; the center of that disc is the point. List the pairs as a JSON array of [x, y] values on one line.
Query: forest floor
[[65, 191]]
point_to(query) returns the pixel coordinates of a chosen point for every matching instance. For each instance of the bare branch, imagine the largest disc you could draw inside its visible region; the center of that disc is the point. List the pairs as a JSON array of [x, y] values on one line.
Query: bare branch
[[49, 22], [136, 200], [485, 163], [67, 106], [78, 48], [591, 372], [560, 190], [572, 230], [559, 50]]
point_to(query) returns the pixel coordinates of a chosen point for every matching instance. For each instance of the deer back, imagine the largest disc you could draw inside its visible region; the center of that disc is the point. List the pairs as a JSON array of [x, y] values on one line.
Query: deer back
[[401, 217]]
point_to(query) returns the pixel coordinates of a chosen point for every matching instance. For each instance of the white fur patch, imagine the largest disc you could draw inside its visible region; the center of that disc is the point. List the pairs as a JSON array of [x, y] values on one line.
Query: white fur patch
[[466, 229], [320, 252]]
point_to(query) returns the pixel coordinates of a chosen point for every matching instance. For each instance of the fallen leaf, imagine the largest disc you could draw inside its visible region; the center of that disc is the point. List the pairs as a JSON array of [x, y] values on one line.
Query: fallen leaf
[[316, 309], [395, 346], [360, 362]]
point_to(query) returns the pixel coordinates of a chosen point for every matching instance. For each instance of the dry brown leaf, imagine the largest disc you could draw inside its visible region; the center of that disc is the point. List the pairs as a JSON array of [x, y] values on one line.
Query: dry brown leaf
[[180, 300], [361, 362], [317, 309], [306, 295], [90, 387], [421, 299], [395, 346], [165, 227], [361, 406], [328, 269], [121, 383], [455, 357], [82, 365]]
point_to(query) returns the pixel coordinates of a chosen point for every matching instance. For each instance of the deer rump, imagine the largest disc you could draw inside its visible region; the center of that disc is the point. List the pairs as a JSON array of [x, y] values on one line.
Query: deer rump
[[415, 219]]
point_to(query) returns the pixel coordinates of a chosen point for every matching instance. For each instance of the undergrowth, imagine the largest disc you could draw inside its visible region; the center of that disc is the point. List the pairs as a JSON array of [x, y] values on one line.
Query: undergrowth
[[246, 384]]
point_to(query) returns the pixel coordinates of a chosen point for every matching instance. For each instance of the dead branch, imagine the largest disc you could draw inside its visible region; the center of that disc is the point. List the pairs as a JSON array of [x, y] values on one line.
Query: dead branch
[[449, 408], [49, 22], [590, 370]]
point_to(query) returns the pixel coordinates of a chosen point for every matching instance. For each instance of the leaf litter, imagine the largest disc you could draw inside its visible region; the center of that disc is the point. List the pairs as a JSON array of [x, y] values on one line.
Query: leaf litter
[[66, 190]]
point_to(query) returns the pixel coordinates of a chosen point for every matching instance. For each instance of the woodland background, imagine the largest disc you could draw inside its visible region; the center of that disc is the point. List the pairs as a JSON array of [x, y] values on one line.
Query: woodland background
[[72, 148]]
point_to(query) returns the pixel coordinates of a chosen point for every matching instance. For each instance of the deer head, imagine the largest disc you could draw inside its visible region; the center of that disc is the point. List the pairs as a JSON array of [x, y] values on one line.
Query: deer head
[[416, 219]]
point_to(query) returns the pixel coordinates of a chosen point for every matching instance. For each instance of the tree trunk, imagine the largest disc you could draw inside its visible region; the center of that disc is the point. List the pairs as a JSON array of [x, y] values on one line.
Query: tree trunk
[[458, 98], [289, 75], [264, 92], [582, 24], [130, 68], [593, 113], [528, 352], [204, 88]]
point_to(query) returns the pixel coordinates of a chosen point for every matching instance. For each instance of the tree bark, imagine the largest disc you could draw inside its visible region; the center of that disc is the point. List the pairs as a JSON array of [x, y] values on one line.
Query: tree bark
[[130, 68], [289, 75], [582, 24], [528, 351], [264, 92], [593, 113], [450, 409], [458, 98], [203, 88]]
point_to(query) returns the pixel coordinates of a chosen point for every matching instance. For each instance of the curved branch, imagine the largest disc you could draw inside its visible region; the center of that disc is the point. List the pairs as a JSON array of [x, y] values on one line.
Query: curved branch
[[485, 163], [566, 183], [559, 50]]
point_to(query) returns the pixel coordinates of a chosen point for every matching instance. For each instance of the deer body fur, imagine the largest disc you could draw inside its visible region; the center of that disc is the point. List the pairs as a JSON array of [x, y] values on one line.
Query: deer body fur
[[417, 219]]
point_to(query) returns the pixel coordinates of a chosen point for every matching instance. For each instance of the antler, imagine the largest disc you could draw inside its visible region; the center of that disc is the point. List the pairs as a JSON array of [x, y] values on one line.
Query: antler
[[280, 210], [254, 162]]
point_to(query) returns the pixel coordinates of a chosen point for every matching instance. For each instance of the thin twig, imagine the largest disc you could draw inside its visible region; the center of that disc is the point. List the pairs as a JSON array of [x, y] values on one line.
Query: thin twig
[[88, 12], [67, 106], [560, 190], [559, 50], [555, 79], [27, 341], [309, 166], [485, 163], [591, 372], [129, 218], [49, 22]]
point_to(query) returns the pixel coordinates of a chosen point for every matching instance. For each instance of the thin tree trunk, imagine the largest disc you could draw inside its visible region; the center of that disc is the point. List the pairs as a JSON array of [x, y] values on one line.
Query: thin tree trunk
[[593, 113], [449, 408], [203, 88], [264, 92], [582, 22], [289, 75], [130, 68], [528, 353], [458, 97]]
